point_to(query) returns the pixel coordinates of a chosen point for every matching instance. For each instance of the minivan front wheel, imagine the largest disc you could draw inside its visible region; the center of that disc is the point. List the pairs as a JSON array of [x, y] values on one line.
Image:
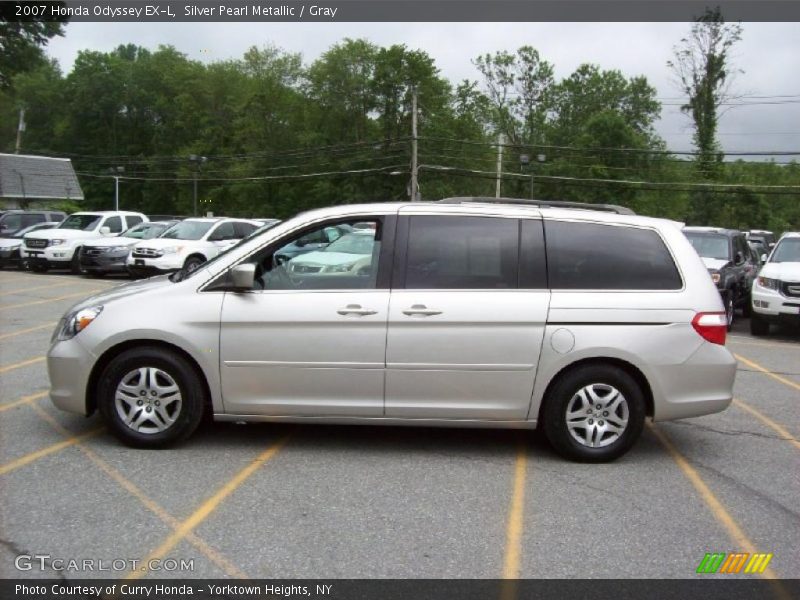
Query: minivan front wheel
[[594, 413], [151, 397]]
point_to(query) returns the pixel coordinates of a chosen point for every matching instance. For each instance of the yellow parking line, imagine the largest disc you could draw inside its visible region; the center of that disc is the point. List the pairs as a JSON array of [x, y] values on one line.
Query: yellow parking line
[[29, 458], [783, 346], [85, 293], [38, 287], [23, 363], [209, 506], [515, 517], [23, 400], [215, 557], [775, 376], [741, 540], [779, 429], [29, 330]]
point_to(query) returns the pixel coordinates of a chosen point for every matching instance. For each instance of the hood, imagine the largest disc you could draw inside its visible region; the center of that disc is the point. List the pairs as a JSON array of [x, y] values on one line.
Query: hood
[[113, 241], [61, 234], [714, 263], [785, 271], [10, 242], [125, 290], [327, 258]]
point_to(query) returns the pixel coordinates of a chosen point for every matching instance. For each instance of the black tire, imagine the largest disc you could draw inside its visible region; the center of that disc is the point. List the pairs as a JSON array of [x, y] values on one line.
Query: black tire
[[192, 263], [75, 263], [186, 418], [560, 398], [730, 311], [747, 307], [758, 325]]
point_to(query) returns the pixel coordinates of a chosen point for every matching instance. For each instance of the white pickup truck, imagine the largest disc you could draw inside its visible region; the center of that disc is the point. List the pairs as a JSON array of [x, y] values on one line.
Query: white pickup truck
[[59, 248]]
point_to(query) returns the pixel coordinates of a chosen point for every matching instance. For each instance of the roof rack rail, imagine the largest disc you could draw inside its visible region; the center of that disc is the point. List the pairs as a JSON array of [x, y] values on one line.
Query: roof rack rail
[[614, 208]]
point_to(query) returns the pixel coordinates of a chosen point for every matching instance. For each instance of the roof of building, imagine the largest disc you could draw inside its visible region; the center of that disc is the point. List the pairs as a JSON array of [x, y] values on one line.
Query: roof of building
[[38, 177]]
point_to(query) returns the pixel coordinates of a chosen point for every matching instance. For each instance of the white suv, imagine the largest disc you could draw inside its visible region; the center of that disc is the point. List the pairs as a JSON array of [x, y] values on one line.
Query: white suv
[[187, 245], [463, 313], [59, 248], [776, 291]]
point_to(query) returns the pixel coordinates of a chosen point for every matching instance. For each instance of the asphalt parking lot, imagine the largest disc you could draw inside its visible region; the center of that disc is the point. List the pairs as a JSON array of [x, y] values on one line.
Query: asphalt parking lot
[[269, 501]]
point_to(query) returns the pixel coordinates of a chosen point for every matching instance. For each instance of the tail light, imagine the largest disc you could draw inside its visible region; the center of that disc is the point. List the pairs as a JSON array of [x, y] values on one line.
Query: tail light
[[712, 327]]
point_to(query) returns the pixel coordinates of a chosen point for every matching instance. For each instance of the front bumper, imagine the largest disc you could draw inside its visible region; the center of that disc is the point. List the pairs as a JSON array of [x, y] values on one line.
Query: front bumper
[[147, 267], [57, 257], [68, 366], [9, 256], [104, 264], [773, 306]]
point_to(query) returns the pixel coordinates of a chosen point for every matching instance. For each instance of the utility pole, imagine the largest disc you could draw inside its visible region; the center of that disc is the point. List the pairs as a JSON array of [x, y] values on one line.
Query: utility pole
[[501, 140], [196, 161], [20, 130], [414, 160]]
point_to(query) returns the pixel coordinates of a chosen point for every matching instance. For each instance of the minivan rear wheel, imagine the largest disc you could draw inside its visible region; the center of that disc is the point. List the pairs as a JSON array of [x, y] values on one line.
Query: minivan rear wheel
[[594, 413], [151, 397]]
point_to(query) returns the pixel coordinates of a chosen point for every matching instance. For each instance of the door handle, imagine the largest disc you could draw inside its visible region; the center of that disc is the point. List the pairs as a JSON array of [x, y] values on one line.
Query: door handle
[[421, 310], [356, 309]]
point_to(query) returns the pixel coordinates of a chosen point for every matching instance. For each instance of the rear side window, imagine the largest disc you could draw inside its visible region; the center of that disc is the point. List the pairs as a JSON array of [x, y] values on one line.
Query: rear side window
[[114, 224], [243, 229], [133, 220], [462, 253], [589, 256]]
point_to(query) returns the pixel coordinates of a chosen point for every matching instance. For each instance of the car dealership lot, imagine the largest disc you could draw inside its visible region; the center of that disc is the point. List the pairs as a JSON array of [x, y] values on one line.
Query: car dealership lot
[[328, 501]]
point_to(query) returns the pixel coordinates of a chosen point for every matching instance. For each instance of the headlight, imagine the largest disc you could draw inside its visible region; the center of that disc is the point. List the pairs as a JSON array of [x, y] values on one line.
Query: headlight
[[75, 322], [119, 250], [770, 284], [172, 249], [340, 268], [56, 242], [714, 276]]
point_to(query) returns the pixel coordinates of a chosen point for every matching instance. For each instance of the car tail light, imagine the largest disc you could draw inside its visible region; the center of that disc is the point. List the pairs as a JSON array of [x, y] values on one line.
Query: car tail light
[[712, 327]]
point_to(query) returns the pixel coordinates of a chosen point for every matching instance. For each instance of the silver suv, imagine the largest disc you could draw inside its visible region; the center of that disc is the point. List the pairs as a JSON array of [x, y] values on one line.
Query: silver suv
[[457, 314]]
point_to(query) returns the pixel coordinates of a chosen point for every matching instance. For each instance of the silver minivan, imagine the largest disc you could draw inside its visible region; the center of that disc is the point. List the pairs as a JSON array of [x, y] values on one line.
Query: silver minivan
[[453, 313]]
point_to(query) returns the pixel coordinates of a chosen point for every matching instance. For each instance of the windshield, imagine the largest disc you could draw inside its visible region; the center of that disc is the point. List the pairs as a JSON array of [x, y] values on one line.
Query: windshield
[[787, 250], [709, 245], [81, 222], [145, 231], [352, 244], [188, 230], [11, 221]]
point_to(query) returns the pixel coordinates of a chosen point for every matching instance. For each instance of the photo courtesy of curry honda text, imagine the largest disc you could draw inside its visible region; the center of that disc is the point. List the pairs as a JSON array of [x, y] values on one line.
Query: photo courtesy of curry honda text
[[465, 312]]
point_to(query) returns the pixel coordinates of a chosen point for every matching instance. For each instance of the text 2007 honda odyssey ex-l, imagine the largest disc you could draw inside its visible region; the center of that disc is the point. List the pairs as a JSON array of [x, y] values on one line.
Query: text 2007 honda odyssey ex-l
[[455, 313]]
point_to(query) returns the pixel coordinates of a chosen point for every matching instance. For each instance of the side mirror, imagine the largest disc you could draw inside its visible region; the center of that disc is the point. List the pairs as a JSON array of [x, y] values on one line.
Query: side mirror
[[243, 276], [105, 230], [738, 258], [763, 258]]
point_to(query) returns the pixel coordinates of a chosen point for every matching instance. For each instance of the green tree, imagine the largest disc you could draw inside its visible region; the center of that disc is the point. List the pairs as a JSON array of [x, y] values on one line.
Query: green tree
[[21, 46]]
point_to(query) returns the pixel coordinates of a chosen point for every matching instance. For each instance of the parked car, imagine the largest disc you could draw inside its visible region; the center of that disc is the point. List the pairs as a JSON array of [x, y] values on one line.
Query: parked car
[[765, 237], [315, 240], [10, 245], [474, 314], [350, 254], [187, 245], [109, 255], [730, 264], [59, 248], [776, 293], [267, 222], [13, 221]]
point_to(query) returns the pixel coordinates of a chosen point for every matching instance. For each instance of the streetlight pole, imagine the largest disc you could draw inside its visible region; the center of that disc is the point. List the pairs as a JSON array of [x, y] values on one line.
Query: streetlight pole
[[116, 173], [196, 161]]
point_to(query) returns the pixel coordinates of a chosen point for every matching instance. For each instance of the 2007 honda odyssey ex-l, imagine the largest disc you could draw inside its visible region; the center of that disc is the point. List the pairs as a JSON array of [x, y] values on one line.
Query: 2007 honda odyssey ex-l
[[453, 313]]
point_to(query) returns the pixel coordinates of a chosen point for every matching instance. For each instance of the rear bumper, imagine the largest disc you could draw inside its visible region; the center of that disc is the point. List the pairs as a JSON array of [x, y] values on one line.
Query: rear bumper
[[702, 385]]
